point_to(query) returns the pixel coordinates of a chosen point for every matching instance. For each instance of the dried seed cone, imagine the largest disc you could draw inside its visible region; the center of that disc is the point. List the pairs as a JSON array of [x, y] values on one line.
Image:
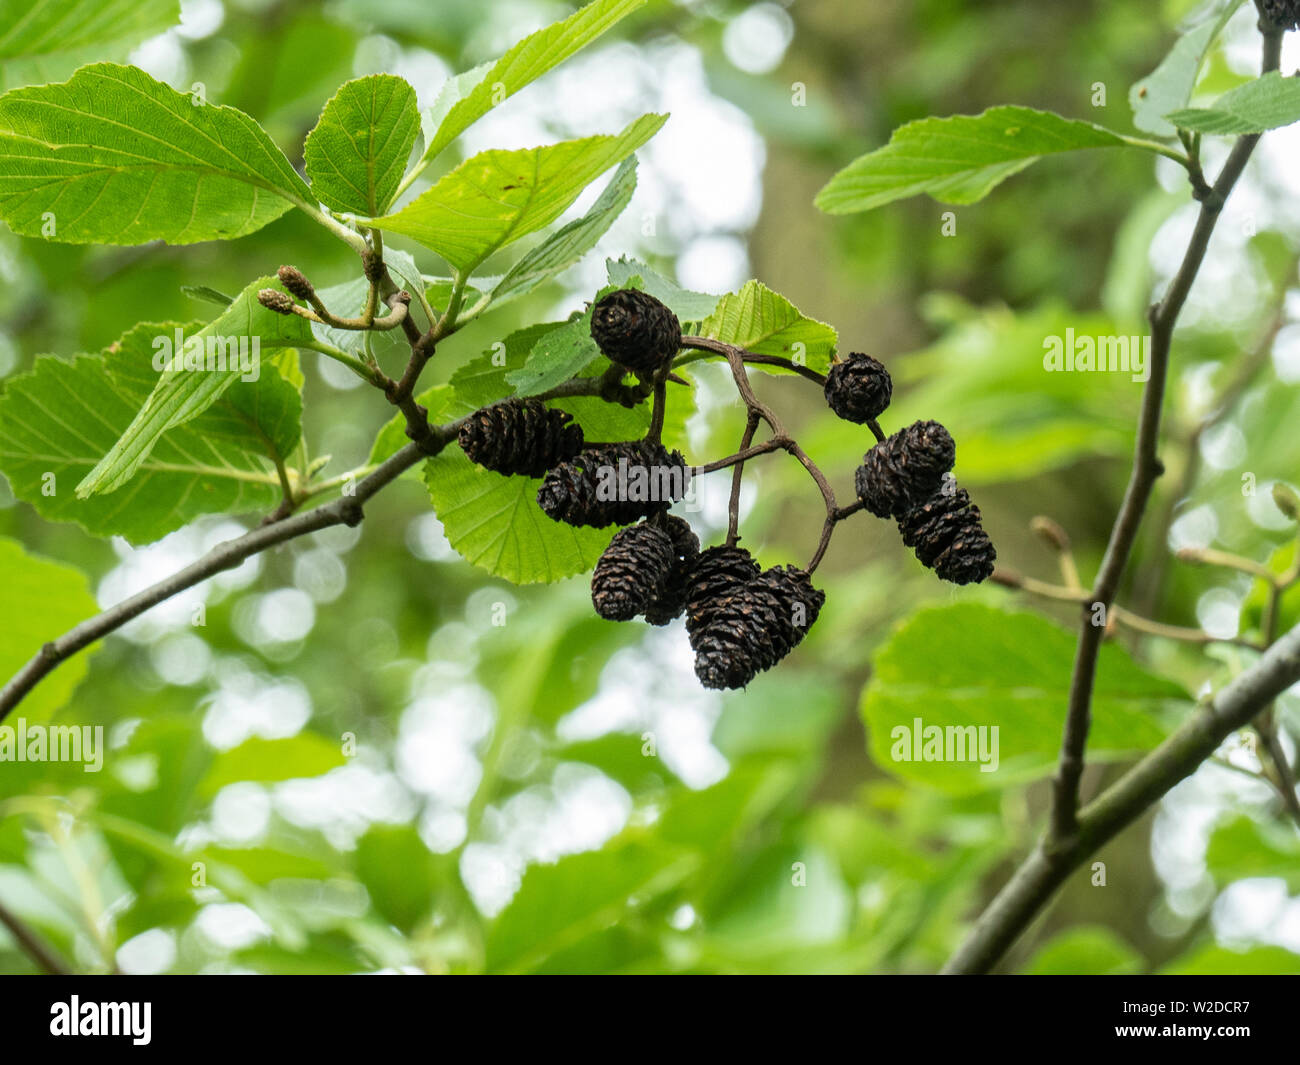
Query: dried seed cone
[[859, 388], [671, 601], [755, 627], [614, 485], [1284, 14], [520, 437], [634, 569], [905, 469], [635, 330], [719, 572], [946, 534]]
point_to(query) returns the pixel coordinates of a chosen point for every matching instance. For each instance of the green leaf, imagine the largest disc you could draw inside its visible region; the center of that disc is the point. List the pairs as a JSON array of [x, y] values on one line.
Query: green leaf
[[483, 379], [494, 523], [621, 756], [60, 417], [1266, 103], [40, 600], [1213, 960], [1243, 848], [687, 305], [525, 62], [307, 754], [759, 722], [765, 322], [358, 151], [559, 905], [261, 865], [399, 872], [114, 157], [561, 353], [207, 294], [1170, 85], [498, 196], [569, 244], [46, 40], [181, 395], [1085, 951], [957, 160], [968, 665]]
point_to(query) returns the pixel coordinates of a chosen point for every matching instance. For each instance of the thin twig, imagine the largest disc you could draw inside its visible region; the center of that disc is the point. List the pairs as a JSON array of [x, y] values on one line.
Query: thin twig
[[1195, 741], [737, 476], [1146, 468], [32, 944]]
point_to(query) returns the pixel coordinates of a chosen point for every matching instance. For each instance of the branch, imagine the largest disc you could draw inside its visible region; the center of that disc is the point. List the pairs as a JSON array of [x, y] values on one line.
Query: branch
[[347, 510], [1146, 468], [32, 944], [709, 346], [1048, 865]]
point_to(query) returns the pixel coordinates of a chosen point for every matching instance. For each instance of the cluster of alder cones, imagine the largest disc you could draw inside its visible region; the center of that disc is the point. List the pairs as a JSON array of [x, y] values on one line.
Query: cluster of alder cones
[[741, 619]]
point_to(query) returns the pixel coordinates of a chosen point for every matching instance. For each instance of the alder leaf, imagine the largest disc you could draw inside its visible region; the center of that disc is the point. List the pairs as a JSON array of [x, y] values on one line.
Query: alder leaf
[[496, 197], [766, 322], [567, 245], [113, 156], [57, 419], [957, 160], [476, 92], [967, 666], [1170, 85], [40, 600], [181, 395], [1266, 103], [356, 155], [494, 523]]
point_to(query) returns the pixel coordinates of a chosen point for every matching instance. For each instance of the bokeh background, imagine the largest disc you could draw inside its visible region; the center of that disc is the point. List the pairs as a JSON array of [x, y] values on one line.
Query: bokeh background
[[490, 756]]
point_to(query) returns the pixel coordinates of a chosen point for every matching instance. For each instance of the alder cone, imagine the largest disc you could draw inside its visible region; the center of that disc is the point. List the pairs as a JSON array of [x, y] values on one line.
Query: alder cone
[[717, 573], [755, 627], [859, 388], [520, 437], [635, 330], [633, 571], [946, 534], [616, 484], [905, 469], [670, 602], [1283, 14]]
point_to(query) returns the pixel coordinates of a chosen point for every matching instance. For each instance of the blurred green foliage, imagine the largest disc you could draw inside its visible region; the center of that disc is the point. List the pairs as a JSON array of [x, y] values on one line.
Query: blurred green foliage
[[391, 781]]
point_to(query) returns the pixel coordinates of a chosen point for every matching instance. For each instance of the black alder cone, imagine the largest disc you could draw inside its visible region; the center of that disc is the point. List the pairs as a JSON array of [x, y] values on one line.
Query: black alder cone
[[859, 388], [520, 437], [634, 569], [946, 534], [669, 603], [635, 330], [616, 484], [1283, 14], [755, 627], [905, 469], [718, 572]]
